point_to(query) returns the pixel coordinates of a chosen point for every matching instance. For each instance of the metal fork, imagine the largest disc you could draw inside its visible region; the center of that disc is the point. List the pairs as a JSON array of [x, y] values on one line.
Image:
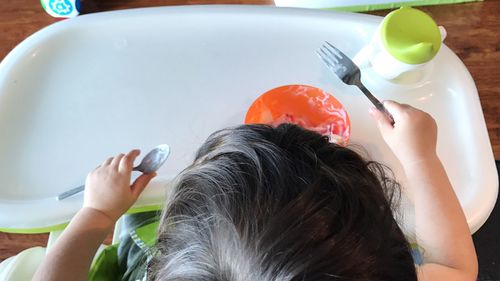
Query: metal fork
[[348, 72]]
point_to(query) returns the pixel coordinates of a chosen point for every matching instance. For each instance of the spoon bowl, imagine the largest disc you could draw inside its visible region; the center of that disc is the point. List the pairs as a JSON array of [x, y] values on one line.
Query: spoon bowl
[[154, 159]]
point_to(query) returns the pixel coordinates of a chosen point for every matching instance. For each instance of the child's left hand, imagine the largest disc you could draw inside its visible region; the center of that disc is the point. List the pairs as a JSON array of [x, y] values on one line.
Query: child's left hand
[[108, 189]]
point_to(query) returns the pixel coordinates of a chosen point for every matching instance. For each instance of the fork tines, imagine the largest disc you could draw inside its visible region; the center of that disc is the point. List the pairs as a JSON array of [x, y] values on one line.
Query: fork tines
[[333, 58]]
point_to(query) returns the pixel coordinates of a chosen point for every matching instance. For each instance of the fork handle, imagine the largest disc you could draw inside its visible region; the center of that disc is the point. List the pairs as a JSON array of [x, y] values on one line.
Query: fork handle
[[380, 106]]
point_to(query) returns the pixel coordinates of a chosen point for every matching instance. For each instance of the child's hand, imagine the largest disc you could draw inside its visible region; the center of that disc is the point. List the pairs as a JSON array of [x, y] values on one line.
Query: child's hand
[[414, 135], [108, 189]]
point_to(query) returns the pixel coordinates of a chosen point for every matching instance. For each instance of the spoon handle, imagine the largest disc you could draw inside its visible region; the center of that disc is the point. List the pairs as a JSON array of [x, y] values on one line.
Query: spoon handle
[[70, 192]]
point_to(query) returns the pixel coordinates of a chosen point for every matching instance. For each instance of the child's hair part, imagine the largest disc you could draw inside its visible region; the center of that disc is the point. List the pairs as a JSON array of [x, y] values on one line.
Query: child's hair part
[[263, 203]]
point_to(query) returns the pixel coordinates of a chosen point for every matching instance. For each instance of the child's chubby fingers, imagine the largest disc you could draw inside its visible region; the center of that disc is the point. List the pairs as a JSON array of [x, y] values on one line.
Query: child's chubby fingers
[[383, 122], [106, 162], [127, 162], [140, 183], [395, 108], [400, 111], [392, 104], [116, 160]]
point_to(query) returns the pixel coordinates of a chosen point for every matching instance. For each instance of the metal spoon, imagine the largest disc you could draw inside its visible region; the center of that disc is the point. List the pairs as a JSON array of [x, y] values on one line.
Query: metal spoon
[[149, 164]]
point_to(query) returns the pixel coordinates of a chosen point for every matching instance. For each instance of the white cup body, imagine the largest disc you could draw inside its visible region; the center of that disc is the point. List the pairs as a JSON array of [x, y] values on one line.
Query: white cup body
[[375, 55]]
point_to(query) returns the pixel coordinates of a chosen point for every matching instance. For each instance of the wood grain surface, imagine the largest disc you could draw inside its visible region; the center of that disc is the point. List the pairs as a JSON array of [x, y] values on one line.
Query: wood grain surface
[[473, 34]]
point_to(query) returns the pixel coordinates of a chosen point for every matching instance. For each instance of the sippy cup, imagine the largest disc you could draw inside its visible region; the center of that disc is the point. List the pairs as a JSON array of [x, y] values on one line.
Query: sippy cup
[[61, 8], [405, 41]]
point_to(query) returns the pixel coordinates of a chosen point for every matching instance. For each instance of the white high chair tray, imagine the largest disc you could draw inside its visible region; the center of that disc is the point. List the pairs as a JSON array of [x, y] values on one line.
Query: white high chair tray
[[87, 88]]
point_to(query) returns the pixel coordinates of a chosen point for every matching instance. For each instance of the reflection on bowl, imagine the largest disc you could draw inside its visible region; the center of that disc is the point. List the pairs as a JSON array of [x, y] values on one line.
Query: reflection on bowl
[[303, 105]]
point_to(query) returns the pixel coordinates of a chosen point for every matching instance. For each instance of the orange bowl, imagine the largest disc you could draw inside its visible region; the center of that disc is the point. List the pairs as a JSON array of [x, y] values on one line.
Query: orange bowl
[[303, 105]]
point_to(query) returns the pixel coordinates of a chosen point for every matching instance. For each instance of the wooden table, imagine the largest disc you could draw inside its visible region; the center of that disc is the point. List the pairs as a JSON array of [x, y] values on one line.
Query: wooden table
[[472, 34]]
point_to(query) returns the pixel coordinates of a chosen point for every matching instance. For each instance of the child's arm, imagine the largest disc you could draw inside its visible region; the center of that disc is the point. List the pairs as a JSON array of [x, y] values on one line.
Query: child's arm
[[441, 226], [108, 194]]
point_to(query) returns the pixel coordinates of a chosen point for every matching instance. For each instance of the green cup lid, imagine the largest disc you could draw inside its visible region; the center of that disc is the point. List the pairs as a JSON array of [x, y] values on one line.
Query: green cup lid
[[410, 35]]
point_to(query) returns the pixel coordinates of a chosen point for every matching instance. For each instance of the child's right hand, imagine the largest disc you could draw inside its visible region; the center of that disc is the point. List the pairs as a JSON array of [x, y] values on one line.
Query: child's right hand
[[108, 189], [440, 224], [414, 134]]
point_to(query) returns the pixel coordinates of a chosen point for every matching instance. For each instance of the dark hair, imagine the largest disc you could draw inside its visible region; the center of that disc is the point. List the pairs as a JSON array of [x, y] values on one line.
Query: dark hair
[[264, 203]]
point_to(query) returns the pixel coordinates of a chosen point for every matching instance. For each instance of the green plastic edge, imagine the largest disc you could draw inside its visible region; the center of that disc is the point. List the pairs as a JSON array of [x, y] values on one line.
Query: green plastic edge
[[62, 226], [35, 230], [146, 208], [366, 8]]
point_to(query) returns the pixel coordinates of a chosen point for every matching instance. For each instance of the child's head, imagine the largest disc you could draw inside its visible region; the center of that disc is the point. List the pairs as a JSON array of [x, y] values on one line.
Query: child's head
[[263, 203]]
